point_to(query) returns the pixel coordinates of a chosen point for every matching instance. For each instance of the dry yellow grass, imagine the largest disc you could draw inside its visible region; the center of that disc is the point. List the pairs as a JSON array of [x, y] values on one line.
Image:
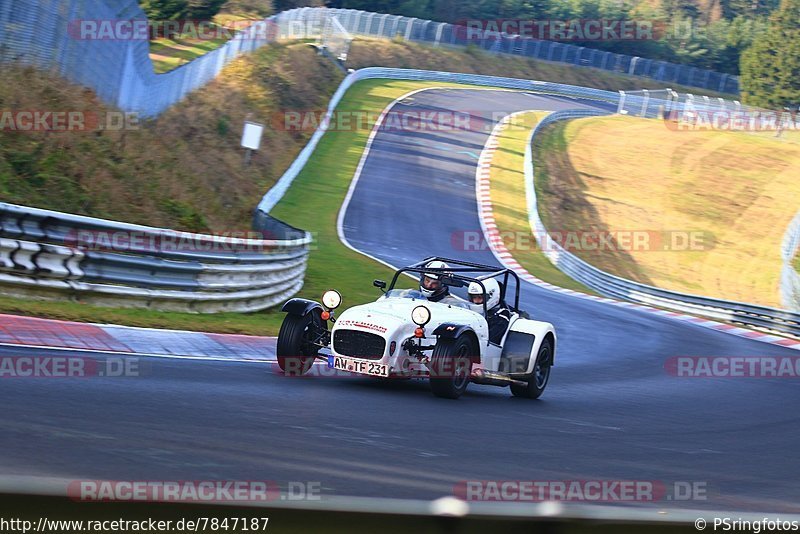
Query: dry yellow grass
[[738, 190]]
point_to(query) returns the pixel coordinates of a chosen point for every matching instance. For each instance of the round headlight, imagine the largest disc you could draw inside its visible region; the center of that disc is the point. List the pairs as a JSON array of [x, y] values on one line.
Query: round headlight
[[331, 299], [421, 315]]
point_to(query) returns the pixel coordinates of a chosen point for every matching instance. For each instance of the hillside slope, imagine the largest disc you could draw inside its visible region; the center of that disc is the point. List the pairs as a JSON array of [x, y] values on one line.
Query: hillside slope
[[185, 170]]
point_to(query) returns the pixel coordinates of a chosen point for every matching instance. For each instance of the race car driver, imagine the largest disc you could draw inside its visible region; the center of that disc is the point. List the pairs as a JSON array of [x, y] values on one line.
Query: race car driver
[[498, 316], [430, 284]]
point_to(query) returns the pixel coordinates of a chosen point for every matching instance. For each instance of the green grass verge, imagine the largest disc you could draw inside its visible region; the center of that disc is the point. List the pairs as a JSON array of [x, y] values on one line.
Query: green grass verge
[[509, 202], [313, 201]]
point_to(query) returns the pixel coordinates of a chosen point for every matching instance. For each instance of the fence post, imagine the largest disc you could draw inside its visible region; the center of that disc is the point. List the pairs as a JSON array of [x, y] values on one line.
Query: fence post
[[425, 30], [381, 25], [722, 81], [368, 27], [439, 31], [409, 29], [604, 62], [632, 68], [645, 101]]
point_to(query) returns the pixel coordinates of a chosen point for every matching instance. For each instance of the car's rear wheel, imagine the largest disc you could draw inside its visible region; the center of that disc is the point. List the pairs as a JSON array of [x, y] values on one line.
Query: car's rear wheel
[[296, 342], [538, 380], [451, 365]]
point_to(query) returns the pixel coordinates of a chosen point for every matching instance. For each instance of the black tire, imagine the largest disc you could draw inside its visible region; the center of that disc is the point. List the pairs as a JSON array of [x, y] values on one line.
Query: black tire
[[451, 365], [295, 353], [538, 380]]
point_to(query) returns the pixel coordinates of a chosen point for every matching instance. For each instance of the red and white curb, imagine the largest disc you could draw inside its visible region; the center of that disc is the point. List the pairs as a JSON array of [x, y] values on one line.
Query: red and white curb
[[498, 248], [31, 332]]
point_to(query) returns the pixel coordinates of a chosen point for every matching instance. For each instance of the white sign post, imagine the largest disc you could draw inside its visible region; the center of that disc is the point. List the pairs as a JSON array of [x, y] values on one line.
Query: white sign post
[[251, 138]]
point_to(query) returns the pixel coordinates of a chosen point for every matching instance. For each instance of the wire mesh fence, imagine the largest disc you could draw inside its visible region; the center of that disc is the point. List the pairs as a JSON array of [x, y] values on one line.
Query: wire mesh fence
[[444, 34], [43, 33], [334, 39]]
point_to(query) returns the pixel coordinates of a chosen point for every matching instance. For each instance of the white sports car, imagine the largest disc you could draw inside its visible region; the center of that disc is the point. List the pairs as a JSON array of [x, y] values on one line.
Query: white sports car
[[403, 335]]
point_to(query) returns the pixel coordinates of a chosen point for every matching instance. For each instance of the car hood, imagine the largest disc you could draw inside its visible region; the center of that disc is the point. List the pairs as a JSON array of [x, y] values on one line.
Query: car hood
[[388, 315]]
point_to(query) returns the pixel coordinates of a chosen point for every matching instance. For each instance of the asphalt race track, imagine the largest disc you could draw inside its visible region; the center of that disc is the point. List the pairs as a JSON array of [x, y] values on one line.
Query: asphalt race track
[[611, 411]]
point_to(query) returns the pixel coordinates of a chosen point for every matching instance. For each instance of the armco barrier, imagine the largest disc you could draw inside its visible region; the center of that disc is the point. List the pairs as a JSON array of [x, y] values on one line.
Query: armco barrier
[[48, 254], [761, 317], [790, 279]]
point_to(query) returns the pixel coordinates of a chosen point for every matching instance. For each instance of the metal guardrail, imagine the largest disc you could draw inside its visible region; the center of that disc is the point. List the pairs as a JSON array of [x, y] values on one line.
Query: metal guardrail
[[761, 317], [790, 278], [53, 255]]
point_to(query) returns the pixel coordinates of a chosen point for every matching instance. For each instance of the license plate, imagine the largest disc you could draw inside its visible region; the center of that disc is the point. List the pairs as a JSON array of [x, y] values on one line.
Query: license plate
[[362, 367]]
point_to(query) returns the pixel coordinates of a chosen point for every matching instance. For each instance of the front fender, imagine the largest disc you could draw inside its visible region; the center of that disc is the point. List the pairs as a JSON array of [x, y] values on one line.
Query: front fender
[[452, 331], [301, 307]]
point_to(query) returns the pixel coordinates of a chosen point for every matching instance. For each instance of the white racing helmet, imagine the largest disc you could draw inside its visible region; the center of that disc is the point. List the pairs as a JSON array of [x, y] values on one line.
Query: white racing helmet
[[476, 295], [430, 284]]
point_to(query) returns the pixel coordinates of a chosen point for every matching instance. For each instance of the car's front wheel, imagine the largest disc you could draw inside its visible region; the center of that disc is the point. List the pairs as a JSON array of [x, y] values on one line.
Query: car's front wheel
[[296, 343], [538, 380], [451, 366]]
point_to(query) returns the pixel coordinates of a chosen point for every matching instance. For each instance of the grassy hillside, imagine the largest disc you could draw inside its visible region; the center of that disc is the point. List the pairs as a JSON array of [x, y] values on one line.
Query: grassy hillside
[[736, 191], [184, 170]]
